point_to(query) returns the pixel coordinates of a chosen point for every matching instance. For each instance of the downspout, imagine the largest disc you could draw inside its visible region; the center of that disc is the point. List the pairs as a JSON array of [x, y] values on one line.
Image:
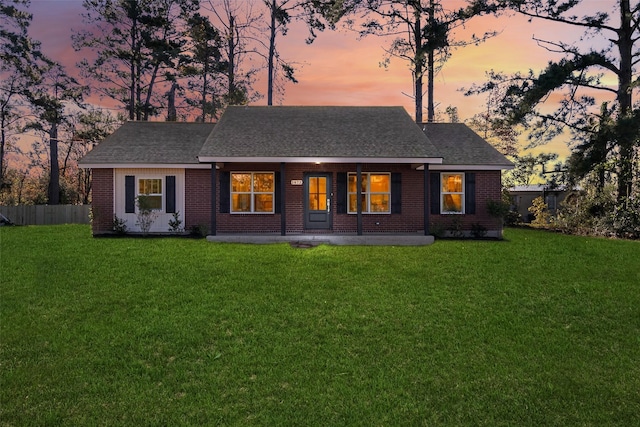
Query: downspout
[[214, 201], [359, 196], [283, 213], [427, 205]]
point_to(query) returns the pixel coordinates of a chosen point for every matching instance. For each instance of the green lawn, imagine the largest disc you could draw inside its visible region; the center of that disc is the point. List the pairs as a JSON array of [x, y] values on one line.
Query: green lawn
[[539, 329]]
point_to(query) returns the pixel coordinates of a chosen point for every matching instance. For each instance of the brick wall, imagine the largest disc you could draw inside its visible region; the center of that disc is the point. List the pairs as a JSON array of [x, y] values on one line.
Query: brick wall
[[488, 187], [197, 198], [198, 202], [410, 220], [102, 201]]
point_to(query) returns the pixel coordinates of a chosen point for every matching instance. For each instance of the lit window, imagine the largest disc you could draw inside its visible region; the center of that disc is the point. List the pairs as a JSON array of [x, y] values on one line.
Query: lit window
[[375, 193], [252, 192], [452, 192], [151, 189]]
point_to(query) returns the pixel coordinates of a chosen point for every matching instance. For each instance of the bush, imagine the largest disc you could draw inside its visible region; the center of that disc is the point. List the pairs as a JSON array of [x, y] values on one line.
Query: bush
[[146, 215], [540, 212], [625, 218], [119, 225]]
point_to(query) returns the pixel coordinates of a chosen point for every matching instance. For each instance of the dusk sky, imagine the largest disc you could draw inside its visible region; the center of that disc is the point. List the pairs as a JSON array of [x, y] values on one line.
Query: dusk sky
[[339, 69]]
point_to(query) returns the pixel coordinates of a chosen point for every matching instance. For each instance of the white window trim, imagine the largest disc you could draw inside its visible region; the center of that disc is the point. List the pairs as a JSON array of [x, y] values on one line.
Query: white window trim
[[251, 193], [368, 194], [163, 190], [443, 193]]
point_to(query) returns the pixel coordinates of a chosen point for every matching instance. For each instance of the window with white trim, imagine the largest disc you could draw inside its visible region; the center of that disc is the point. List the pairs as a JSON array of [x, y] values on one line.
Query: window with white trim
[[151, 191], [252, 192], [375, 192], [452, 193]]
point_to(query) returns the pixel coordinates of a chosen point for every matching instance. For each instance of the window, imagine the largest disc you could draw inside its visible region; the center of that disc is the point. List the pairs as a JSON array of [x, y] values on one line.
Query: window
[[152, 190], [452, 193], [375, 193], [252, 192]]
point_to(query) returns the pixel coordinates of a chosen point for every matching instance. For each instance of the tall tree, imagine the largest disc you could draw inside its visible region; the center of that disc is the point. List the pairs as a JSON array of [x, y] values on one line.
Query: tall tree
[[238, 25], [20, 62], [135, 45], [609, 133], [422, 34], [280, 13], [49, 98], [204, 67]]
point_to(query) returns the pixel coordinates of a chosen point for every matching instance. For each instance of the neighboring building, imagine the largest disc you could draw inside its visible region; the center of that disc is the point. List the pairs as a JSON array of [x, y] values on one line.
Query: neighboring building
[[295, 170], [522, 197]]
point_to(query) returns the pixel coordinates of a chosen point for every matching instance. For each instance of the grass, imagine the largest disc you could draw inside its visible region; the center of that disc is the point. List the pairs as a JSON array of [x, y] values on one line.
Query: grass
[[540, 329]]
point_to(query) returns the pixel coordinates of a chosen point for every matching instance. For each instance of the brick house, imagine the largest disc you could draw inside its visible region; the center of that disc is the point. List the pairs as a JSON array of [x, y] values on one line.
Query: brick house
[[297, 170]]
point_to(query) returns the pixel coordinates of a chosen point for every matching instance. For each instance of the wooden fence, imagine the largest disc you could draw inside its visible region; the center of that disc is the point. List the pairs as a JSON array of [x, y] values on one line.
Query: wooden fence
[[46, 214]]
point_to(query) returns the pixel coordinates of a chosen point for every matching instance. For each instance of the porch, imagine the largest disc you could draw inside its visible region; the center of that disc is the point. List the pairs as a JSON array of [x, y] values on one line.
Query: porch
[[341, 239]]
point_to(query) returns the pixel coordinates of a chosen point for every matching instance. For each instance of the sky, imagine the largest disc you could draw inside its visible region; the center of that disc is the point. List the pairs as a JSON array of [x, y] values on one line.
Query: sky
[[340, 69]]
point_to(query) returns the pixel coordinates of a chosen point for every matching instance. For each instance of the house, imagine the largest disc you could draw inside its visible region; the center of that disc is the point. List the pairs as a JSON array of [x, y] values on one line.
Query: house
[[299, 170], [522, 197]]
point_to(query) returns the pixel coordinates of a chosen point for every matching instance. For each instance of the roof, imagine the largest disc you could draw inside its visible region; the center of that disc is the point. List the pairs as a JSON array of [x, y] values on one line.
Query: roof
[[320, 134], [537, 188], [150, 143], [461, 146], [297, 134]]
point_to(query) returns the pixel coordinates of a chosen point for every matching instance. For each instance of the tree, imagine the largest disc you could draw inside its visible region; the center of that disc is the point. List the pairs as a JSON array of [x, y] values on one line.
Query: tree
[[238, 25], [20, 59], [84, 129], [280, 14], [136, 46], [204, 67], [422, 36], [49, 97], [493, 127], [613, 133]]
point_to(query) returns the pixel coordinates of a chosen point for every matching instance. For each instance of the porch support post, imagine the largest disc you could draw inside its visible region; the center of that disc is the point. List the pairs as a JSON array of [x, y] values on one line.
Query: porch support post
[[283, 204], [359, 196], [214, 201], [427, 205]]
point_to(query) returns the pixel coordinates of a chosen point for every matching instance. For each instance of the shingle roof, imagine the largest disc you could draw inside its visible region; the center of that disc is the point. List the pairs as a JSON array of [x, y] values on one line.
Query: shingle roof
[[368, 133], [151, 143], [460, 145]]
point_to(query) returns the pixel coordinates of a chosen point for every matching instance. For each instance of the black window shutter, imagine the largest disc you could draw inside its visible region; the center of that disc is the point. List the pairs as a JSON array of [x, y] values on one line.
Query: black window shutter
[[225, 192], [434, 192], [341, 193], [470, 193], [170, 204], [396, 193], [130, 194], [278, 192]]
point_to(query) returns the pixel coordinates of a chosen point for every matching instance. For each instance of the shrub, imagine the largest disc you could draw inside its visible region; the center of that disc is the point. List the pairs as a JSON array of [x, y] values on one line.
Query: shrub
[[625, 218], [539, 210], [478, 231], [175, 223], [146, 215], [119, 225]]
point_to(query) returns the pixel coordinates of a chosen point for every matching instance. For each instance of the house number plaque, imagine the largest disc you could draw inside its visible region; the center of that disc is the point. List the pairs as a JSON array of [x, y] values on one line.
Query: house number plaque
[[296, 182]]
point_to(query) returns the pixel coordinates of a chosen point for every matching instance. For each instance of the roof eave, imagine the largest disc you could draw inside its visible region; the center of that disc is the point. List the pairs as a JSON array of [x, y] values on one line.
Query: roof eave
[[144, 166], [445, 166], [320, 159]]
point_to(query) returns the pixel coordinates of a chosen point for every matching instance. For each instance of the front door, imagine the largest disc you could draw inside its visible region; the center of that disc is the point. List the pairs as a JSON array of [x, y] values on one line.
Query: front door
[[317, 201]]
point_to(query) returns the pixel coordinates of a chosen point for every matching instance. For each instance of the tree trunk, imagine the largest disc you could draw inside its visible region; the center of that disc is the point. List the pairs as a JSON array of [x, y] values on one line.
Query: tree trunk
[[272, 48], [231, 88], [3, 140], [430, 68], [418, 60], [625, 77], [54, 168], [172, 114]]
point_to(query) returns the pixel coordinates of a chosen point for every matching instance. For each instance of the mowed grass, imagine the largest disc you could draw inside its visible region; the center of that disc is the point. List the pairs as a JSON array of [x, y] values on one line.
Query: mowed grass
[[539, 329]]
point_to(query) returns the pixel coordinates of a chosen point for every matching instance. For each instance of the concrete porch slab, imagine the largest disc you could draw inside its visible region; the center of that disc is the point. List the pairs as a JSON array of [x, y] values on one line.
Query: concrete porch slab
[[329, 239]]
